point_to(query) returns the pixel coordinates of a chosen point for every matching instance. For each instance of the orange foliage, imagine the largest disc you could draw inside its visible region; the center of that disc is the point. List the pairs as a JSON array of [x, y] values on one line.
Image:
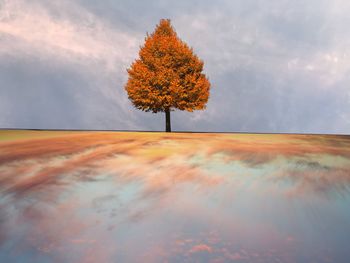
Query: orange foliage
[[167, 75]]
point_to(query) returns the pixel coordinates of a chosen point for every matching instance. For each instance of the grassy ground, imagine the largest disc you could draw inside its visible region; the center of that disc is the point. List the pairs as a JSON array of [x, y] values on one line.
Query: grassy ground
[[11, 135]]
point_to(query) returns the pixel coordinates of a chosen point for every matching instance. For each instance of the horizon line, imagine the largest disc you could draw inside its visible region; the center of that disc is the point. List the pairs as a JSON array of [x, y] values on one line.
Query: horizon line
[[131, 131]]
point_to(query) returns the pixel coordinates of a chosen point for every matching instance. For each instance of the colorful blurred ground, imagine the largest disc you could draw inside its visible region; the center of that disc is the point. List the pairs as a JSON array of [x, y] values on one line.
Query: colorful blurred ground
[[173, 197]]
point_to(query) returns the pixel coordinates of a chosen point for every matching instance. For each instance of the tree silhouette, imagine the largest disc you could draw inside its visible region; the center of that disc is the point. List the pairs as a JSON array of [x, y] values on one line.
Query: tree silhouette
[[167, 75]]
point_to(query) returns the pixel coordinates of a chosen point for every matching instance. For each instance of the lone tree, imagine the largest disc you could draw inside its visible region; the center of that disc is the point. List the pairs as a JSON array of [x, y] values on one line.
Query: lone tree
[[167, 75]]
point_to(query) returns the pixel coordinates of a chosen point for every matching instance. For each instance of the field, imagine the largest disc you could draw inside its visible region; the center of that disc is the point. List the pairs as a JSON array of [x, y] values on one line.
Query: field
[[173, 197]]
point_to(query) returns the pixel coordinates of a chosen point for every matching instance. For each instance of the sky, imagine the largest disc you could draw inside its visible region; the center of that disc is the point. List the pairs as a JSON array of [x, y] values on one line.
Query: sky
[[274, 66]]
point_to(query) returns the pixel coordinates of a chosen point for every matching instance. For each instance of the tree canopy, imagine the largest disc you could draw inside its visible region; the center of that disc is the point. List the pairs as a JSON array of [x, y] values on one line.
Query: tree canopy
[[167, 75]]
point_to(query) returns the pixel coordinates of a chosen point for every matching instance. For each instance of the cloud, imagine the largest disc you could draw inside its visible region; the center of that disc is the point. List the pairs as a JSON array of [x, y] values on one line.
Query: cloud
[[59, 64], [281, 66], [200, 248], [265, 78], [235, 203], [307, 161], [73, 34]]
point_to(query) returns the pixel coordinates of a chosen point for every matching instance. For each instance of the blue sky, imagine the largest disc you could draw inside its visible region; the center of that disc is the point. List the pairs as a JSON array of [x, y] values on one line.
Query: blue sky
[[274, 66]]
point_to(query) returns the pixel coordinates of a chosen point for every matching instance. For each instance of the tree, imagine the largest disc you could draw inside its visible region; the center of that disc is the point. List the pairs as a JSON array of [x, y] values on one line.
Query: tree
[[167, 75]]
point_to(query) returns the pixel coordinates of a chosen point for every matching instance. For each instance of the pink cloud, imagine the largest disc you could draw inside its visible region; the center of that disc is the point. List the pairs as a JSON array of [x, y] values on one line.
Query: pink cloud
[[201, 248]]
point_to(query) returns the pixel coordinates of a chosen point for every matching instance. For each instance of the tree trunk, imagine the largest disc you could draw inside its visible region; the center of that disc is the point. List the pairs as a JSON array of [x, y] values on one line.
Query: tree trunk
[[167, 120]]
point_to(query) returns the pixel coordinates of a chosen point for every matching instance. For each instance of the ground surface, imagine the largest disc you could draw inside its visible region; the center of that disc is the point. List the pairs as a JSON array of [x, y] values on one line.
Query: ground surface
[[156, 197]]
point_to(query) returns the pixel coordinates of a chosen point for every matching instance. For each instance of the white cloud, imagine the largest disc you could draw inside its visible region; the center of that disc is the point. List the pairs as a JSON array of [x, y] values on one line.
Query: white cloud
[[80, 37], [274, 66], [63, 36]]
